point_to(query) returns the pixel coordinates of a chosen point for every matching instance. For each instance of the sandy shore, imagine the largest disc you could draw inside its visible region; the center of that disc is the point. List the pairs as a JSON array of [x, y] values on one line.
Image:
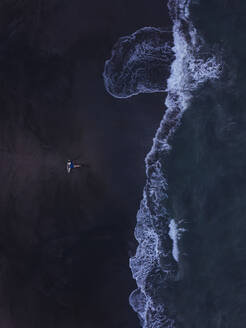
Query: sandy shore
[[65, 239]]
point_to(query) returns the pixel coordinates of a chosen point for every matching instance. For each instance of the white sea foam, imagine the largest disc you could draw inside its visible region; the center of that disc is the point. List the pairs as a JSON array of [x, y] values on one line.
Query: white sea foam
[[157, 256], [174, 235]]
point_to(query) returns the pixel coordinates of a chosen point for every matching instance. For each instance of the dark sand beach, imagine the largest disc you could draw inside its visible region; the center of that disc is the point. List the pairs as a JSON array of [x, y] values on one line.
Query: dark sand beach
[[65, 239]]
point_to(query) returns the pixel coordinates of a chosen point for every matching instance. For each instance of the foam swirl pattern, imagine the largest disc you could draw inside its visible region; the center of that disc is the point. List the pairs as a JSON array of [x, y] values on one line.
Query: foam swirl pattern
[[138, 63]]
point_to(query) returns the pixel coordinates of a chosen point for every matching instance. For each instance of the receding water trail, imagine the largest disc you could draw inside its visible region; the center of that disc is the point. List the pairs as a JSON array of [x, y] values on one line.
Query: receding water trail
[[155, 266], [139, 63]]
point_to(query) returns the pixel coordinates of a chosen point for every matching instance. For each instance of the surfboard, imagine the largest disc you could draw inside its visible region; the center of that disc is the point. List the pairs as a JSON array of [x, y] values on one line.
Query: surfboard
[[68, 166]]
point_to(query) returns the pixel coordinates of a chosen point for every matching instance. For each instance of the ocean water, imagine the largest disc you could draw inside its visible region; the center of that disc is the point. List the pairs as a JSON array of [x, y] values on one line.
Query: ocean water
[[191, 259]]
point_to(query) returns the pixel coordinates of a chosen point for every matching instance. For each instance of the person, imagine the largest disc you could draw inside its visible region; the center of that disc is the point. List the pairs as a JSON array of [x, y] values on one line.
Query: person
[[71, 165]]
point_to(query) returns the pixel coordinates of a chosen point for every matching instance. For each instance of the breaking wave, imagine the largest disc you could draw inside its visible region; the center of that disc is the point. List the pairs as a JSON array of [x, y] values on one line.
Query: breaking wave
[[155, 266], [157, 233]]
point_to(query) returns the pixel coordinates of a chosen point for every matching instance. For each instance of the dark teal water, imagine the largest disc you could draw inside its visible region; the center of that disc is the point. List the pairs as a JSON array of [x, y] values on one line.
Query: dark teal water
[[207, 181]]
